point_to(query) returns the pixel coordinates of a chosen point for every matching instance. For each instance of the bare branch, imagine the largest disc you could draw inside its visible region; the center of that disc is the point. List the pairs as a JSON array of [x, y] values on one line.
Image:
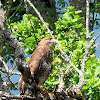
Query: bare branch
[[5, 66], [94, 40], [87, 38], [10, 72], [11, 40], [88, 48], [42, 20], [15, 73], [62, 52], [16, 10], [85, 58], [64, 55], [1, 71], [36, 39], [13, 67], [68, 70], [16, 97], [61, 86], [87, 19]]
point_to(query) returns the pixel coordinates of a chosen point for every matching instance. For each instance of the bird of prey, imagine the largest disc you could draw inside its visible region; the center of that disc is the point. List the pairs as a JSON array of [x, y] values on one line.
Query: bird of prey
[[40, 62]]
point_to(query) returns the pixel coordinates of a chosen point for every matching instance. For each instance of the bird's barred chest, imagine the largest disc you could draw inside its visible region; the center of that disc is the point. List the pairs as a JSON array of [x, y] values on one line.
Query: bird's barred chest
[[45, 74], [40, 62], [44, 69]]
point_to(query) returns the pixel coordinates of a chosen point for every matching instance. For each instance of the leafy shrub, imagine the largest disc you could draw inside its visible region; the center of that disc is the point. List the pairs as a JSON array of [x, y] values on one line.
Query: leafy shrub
[[71, 34]]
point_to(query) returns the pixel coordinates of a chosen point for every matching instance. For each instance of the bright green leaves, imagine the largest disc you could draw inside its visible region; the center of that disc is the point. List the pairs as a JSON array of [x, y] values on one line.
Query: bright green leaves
[[71, 9], [25, 31], [30, 41], [72, 38], [71, 34], [67, 16], [92, 77], [70, 23]]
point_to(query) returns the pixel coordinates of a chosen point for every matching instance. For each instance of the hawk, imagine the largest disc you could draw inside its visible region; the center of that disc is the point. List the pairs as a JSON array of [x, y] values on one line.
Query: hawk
[[40, 62]]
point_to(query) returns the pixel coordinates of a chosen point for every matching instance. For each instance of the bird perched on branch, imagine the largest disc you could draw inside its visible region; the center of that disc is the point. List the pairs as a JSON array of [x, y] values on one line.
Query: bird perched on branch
[[40, 62]]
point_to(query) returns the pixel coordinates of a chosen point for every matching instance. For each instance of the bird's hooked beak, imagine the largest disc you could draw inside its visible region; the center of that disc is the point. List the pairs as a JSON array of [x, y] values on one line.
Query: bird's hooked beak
[[53, 41]]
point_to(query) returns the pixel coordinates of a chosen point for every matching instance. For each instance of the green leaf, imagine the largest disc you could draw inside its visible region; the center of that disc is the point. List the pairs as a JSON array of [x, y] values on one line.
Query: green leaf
[[79, 11], [80, 25], [67, 16], [71, 8], [26, 50], [85, 87], [28, 59], [30, 39]]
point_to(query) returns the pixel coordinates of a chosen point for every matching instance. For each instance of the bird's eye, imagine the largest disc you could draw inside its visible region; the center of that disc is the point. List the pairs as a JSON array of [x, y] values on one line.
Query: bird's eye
[[50, 38]]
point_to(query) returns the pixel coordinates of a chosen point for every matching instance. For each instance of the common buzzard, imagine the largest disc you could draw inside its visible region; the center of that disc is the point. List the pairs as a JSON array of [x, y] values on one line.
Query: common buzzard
[[40, 62]]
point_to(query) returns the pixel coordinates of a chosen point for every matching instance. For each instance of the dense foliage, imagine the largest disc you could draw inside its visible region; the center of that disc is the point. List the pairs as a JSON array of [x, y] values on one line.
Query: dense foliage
[[71, 35]]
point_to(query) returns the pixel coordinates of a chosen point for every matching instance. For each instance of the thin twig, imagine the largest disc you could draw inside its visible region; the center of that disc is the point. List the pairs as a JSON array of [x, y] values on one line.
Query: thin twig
[[61, 86], [16, 97], [16, 73], [36, 39], [85, 58], [5, 66], [94, 40], [68, 70], [16, 10], [62, 52], [10, 71], [87, 19], [13, 84], [13, 67], [1, 71], [38, 13], [65, 56]]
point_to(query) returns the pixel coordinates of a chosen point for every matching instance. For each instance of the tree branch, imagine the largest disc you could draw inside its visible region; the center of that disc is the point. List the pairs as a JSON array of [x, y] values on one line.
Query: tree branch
[[85, 58], [62, 52], [11, 40], [42, 20], [87, 37], [87, 19], [61, 86], [64, 55], [36, 39], [5, 66], [16, 97], [19, 55], [16, 10], [94, 40]]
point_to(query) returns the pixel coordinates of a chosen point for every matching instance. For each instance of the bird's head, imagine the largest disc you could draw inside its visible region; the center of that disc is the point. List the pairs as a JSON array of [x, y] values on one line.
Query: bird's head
[[47, 41]]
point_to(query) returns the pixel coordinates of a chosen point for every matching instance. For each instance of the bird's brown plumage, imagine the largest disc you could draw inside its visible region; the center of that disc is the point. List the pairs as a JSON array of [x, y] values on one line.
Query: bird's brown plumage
[[40, 62]]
